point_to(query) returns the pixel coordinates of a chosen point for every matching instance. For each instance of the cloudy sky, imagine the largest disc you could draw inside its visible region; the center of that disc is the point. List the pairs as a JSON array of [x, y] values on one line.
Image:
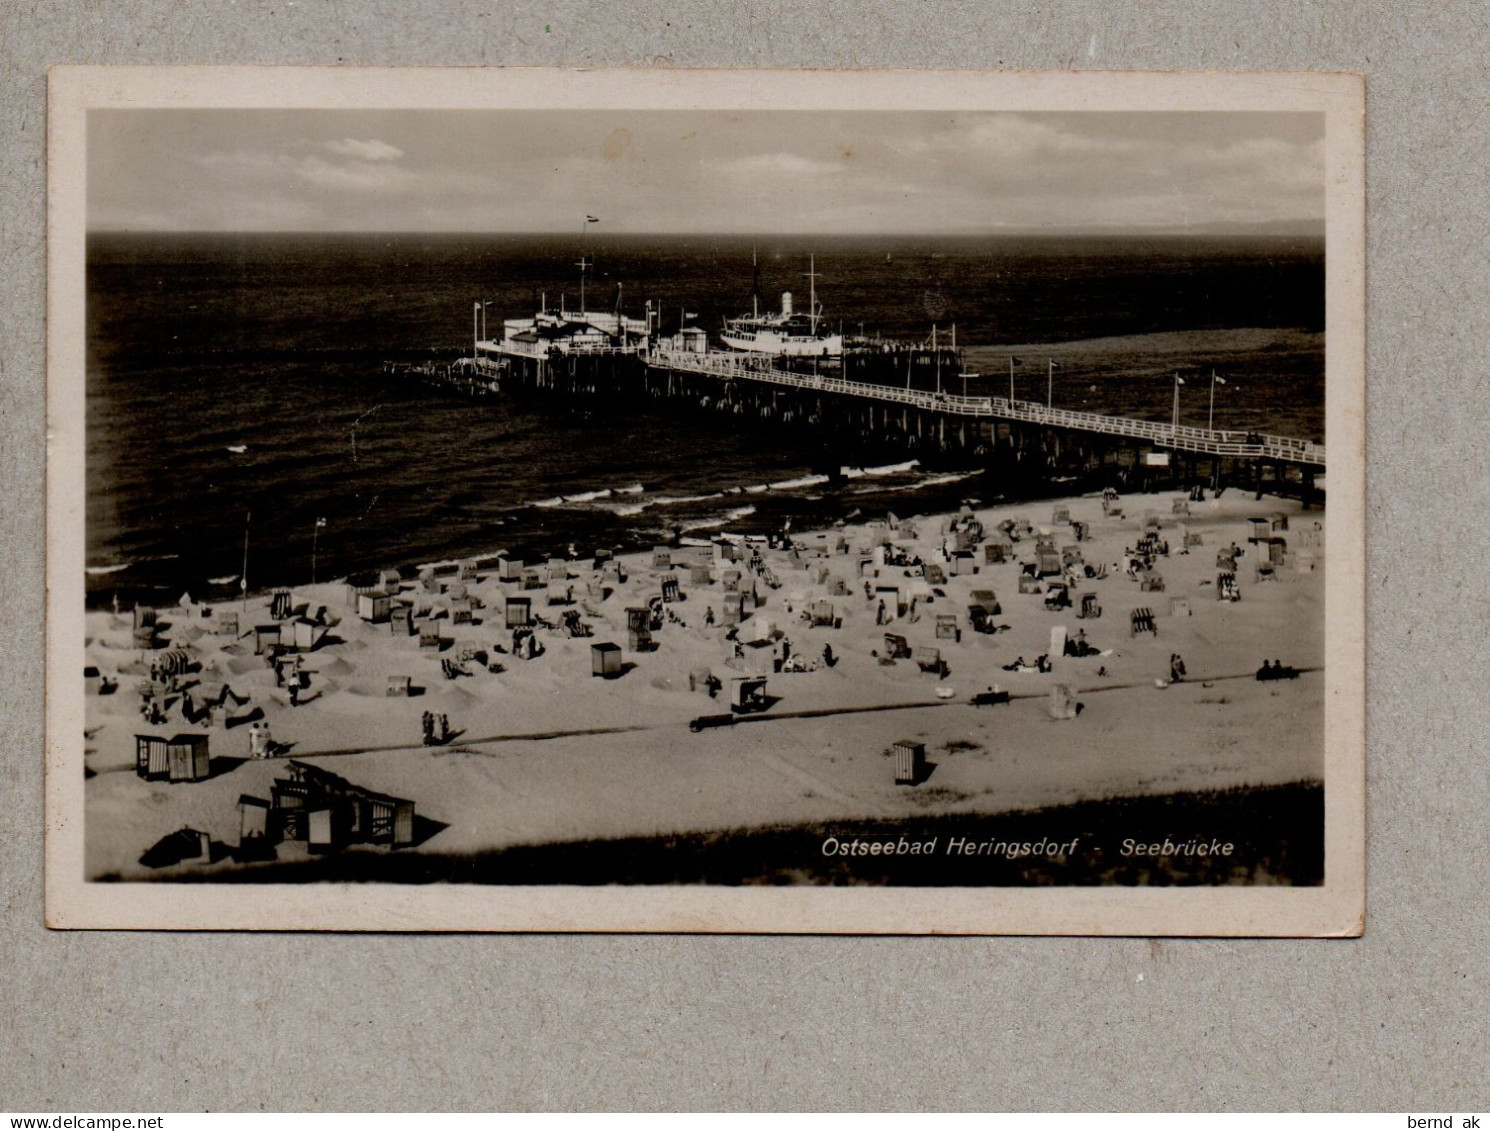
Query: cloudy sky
[[681, 171]]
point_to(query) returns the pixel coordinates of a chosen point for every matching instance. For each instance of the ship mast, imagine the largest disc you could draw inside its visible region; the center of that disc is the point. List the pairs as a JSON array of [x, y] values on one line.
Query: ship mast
[[812, 292], [755, 285]]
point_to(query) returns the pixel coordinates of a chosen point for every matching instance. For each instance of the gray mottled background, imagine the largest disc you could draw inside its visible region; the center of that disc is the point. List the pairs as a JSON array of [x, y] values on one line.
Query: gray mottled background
[[1396, 1020]]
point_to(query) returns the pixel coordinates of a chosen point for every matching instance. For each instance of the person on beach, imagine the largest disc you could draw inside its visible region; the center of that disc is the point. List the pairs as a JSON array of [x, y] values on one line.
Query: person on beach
[[1176, 668], [709, 617], [429, 729], [444, 730], [828, 658]]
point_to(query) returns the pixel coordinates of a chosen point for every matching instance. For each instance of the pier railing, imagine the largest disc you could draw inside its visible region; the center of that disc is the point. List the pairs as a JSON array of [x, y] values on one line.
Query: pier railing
[[1182, 438]]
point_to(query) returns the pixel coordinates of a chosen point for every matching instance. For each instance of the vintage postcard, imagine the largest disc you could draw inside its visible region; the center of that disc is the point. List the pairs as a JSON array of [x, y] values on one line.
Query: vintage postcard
[[735, 501]]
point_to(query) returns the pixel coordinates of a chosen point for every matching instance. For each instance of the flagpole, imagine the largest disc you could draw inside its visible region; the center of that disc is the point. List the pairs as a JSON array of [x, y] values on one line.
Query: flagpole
[[1210, 421], [243, 577], [1011, 380], [1049, 383], [1174, 426]]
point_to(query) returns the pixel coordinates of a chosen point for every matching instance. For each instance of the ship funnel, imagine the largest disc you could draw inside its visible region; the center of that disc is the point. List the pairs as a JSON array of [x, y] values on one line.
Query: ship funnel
[[786, 302]]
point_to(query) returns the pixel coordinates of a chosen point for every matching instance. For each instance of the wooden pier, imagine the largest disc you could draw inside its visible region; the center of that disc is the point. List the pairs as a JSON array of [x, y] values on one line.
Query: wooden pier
[[1240, 445], [1012, 439]]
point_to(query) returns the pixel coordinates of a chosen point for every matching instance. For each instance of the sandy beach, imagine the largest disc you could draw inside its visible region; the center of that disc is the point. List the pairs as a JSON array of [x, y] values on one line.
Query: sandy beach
[[543, 751]]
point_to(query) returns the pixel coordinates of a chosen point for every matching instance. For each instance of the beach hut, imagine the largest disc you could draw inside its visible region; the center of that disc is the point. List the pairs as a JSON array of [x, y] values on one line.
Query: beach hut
[[401, 620], [1060, 516], [946, 627], [152, 758], [466, 569], [824, 615], [896, 646], [734, 608], [747, 693], [307, 634], [995, 553], [893, 599], [929, 659], [662, 557], [1259, 526], [1151, 583], [519, 612], [669, 589], [1029, 584], [1278, 520], [144, 617], [186, 757], [534, 579], [428, 581], [389, 580], [1179, 606], [429, 640], [1179, 506], [509, 569], [605, 660], [253, 818], [1063, 703], [556, 570], [1080, 530], [279, 604], [387, 820], [1048, 562], [227, 624], [910, 758], [321, 829], [460, 611], [374, 607], [731, 580], [987, 600], [266, 638]]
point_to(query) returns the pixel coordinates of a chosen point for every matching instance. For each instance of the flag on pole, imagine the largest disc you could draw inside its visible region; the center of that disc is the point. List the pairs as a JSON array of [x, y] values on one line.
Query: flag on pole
[[592, 219], [1055, 365], [1178, 380], [1016, 361], [320, 522], [1218, 380]]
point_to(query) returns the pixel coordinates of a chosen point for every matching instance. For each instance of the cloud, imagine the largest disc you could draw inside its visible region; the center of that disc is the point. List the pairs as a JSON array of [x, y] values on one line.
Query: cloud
[[369, 150]]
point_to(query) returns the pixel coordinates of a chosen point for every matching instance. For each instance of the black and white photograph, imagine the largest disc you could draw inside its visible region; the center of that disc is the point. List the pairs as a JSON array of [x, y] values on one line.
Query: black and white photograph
[[720, 501]]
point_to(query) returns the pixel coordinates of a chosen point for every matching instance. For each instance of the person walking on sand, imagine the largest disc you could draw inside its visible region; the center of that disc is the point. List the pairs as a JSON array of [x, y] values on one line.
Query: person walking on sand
[[429, 729], [709, 617], [444, 729]]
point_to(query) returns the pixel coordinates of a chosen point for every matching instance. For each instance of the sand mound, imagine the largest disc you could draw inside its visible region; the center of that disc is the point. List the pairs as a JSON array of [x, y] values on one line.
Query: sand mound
[[240, 667]]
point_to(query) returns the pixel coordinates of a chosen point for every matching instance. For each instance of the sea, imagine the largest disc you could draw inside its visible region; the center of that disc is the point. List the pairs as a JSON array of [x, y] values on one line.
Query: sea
[[239, 414]]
